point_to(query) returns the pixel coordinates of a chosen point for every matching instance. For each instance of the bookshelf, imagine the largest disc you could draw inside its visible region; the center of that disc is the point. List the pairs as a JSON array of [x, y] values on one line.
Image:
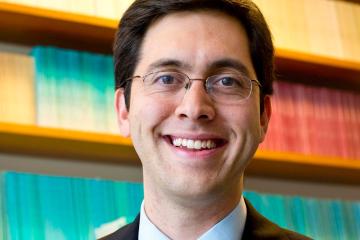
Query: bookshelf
[[49, 142], [52, 142], [32, 26]]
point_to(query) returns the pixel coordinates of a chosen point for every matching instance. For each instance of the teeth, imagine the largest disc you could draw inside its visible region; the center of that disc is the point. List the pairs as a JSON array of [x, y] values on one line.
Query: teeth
[[194, 144], [190, 143], [197, 144], [208, 144]]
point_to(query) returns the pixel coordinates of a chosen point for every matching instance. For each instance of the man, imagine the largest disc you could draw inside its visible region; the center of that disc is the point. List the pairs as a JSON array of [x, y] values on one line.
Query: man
[[193, 83]]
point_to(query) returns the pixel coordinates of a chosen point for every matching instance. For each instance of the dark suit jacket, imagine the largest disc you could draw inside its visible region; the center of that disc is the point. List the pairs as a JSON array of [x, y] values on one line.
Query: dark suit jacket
[[256, 227]]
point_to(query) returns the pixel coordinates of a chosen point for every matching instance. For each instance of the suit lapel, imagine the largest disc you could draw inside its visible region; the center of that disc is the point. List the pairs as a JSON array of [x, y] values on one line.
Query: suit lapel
[[128, 232], [258, 227]]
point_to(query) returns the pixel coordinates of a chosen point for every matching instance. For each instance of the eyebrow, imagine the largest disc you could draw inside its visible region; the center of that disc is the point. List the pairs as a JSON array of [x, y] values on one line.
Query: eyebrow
[[218, 64], [229, 63], [167, 62]]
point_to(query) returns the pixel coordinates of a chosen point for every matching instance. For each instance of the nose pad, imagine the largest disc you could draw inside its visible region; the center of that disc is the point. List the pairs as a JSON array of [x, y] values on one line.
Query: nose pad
[[189, 84]]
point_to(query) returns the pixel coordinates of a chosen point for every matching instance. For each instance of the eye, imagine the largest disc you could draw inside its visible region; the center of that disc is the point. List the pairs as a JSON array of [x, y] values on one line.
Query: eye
[[165, 79], [227, 81]]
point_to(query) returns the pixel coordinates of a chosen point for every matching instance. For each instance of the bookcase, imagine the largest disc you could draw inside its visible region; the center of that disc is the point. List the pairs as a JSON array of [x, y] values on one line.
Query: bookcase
[[30, 26]]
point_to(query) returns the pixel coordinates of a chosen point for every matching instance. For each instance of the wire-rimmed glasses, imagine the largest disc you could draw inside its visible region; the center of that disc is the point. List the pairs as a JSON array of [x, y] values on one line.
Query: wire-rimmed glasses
[[224, 88]]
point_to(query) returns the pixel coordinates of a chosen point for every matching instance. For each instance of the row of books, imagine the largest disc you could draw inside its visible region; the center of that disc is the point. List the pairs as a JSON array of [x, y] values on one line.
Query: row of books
[[62, 208], [51, 207], [314, 120], [74, 90], [58, 88], [301, 25]]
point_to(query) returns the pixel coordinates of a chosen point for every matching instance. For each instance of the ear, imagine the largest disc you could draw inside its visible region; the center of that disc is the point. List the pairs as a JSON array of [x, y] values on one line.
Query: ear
[[265, 117], [122, 113]]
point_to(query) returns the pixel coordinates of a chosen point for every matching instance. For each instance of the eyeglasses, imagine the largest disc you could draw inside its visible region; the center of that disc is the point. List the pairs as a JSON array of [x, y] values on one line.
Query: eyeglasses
[[223, 88]]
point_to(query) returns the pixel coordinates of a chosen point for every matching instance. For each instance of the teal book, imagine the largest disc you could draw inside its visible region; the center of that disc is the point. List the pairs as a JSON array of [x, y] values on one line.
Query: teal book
[[279, 211], [295, 208], [98, 93], [88, 109], [71, 88], [42, 90], [338, 220], [3, 212], [311, 215], [356, 211], [110, 93]]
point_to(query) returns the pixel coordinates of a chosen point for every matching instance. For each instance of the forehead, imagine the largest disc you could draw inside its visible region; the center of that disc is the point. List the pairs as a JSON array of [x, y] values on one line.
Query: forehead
[[196, 39]]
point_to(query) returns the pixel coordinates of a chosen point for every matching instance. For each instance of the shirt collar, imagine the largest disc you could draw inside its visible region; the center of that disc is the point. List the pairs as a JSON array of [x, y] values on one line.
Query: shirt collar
[[229, 228]]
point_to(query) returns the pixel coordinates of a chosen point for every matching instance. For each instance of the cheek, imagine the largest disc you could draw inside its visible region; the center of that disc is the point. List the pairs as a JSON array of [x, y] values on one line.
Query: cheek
[[245, 123], [147, 113]]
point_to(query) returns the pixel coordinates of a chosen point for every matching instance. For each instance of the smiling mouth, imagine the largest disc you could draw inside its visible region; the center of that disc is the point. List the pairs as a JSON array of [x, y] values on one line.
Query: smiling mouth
[[195, 144]]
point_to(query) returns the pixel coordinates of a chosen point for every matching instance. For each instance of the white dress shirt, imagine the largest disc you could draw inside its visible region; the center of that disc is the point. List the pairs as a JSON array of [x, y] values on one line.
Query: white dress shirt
[[229, 228]]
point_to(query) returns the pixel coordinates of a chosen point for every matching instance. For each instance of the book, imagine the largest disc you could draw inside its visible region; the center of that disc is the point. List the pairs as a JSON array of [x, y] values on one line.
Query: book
[[17, 99]]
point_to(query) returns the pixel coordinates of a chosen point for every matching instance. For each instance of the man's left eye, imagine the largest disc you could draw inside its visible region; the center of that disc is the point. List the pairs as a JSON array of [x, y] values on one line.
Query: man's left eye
[[228, 81]]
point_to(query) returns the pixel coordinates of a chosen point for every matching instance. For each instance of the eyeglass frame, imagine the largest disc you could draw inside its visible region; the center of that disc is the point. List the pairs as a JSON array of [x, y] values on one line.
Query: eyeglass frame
[[188, 84]]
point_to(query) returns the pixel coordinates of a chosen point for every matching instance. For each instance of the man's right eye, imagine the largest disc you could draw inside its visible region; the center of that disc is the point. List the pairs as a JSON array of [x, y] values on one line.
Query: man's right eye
[[164, 79]]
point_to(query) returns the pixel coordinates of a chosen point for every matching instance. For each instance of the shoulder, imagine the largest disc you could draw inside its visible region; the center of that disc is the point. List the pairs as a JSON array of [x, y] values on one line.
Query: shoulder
[[258, 227], [127, 232]]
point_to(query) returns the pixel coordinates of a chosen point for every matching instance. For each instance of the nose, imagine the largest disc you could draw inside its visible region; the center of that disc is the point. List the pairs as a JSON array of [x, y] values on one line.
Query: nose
[[196, 104]]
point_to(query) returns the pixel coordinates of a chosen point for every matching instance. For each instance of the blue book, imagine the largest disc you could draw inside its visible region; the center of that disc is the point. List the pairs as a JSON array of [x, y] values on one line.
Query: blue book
[[356, 211], [109, 94], [296, 207], [3, 211]]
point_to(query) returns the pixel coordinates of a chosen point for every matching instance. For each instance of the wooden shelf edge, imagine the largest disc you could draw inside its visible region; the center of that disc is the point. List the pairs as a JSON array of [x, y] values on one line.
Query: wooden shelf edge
[[99, 147], [317, 70], [37, 12], [317, 59], [68, 144], [303, 167]]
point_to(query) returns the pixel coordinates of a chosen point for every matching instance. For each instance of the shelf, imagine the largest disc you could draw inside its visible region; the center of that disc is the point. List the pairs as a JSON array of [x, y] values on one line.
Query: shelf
[[58, 143], [32, 26], [305, 167], [317, 70]]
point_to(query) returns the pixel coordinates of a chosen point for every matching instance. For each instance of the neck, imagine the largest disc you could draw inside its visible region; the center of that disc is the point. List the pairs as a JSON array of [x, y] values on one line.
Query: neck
[[189, 218]]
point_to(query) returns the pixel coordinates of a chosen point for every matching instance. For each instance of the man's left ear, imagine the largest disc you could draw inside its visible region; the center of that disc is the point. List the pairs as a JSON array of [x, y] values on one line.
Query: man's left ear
[[265, 117]]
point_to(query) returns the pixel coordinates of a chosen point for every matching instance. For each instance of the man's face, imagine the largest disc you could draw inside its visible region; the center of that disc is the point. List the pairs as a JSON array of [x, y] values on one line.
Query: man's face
[[194, 42]]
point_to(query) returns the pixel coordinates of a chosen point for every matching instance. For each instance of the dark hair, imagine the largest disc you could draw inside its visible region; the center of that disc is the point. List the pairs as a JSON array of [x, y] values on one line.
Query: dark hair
[[142, 13]]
